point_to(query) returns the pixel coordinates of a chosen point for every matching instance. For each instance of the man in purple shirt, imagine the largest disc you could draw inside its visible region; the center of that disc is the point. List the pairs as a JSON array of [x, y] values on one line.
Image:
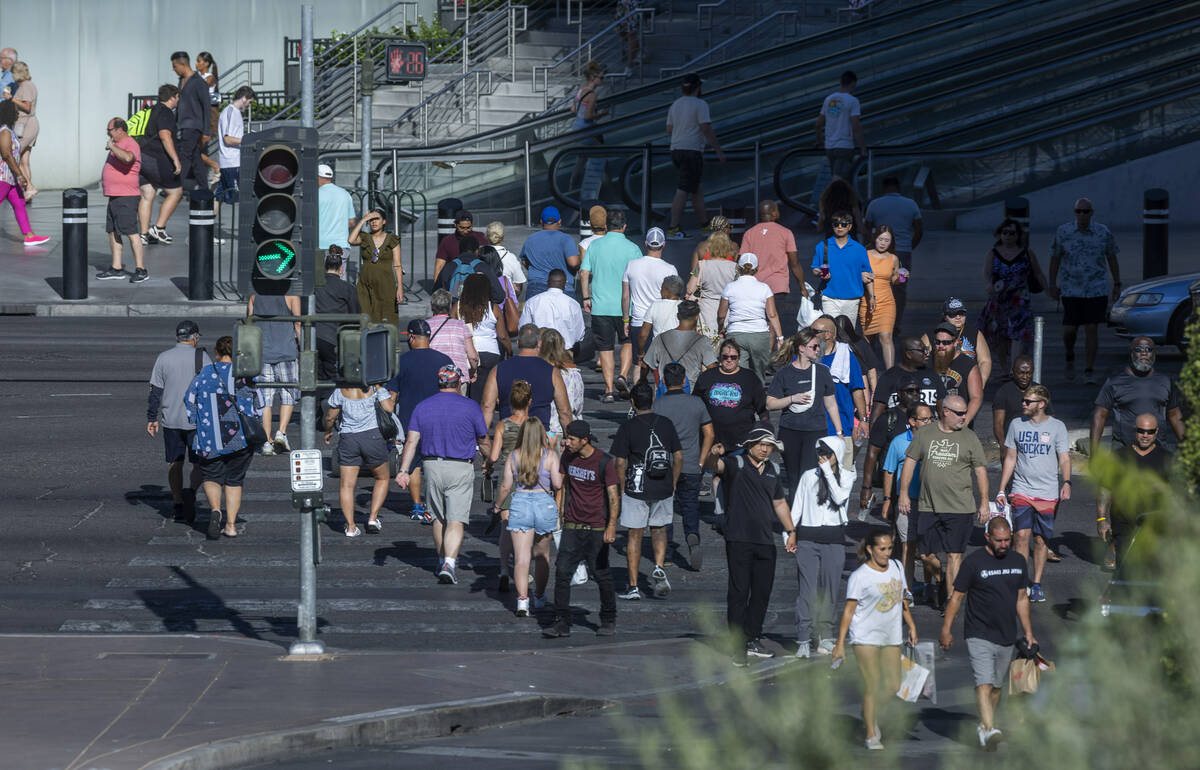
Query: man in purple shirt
[[448, 426]]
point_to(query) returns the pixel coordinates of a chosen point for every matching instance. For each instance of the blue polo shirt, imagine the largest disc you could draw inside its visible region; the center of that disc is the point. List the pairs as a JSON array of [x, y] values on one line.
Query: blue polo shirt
[[846, 266], [894, 463]]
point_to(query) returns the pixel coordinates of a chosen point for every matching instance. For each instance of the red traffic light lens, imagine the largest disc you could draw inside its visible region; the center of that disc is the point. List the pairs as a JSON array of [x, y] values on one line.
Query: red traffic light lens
[[278, 166]]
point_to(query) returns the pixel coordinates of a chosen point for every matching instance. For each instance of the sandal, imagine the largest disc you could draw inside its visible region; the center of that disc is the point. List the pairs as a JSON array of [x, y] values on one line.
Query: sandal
[[609, 397], [1052, 557], [227, 533], [622, 386]]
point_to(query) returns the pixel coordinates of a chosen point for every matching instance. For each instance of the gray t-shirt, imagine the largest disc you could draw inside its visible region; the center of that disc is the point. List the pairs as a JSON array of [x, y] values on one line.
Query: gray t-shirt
[[358, 414], [1038, 447], [689, 348], [1128, 395], [898, 213], [174, 371], [687, 413]]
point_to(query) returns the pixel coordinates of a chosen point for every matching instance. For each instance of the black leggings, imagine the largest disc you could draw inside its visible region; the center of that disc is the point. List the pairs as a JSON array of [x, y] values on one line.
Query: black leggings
[[799, 455], [487, 361]]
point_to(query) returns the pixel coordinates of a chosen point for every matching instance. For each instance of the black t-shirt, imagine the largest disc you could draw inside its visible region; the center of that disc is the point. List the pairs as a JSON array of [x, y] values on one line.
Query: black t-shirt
[[891, 382], [1157, 462], [162, 118], [955, 378], [991, 586], [416, 379], [336, 296], [734, 402], [634, 439], [1008, 399], [890, 424], [789, 380], [750, 501], [1127, 395], [194, 104], [445, 277], [867, 359]]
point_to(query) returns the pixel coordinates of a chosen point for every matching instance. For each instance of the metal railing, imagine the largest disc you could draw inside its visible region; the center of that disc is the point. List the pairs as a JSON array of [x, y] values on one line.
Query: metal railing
[[594, 48], [769, 24], [452, 104]]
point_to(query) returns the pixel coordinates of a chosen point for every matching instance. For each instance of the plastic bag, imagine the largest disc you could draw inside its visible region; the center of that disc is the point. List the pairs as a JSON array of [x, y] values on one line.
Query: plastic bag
[[807, 313], [912, 676]]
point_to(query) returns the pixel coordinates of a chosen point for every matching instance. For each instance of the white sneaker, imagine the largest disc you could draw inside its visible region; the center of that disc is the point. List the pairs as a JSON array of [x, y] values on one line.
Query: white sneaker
[[874, 744], [826, 647], [523, 608], [581, 575], [803, 650], [988, 738], [374, 527], [352, 532], [281, 443], [661, 586], [268, 450]]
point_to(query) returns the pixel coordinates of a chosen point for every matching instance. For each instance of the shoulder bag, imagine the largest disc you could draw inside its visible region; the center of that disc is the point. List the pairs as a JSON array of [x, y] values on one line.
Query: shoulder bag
[[384, 419], [252, 428]]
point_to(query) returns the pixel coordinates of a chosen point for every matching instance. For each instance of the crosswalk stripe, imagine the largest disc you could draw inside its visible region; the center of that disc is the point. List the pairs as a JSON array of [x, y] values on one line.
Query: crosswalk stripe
[[432, 606], [519, 627]]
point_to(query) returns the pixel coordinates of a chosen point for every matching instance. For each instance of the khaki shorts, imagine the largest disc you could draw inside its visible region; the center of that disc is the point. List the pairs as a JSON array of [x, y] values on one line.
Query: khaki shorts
[[639, 514]]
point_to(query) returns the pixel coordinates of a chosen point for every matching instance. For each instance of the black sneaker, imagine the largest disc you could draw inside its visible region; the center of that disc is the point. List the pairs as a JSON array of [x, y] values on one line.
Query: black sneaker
[[140, 275], [112, 274], [695, 555], [756, 648], [148, 238], [560, 629], [607, 628], [739, 659], [161, 234]]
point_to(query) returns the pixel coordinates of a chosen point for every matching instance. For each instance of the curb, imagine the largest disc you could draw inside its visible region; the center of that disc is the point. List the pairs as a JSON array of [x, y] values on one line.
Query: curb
[[145, 310], [379, 728]]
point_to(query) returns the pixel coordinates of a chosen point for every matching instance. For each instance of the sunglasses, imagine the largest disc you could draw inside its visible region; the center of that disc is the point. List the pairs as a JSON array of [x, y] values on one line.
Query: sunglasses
[[813, 346], [1146, 431], [957, 314], [1083, 211], [963, 413], [1028, 401], [943, 343], [916, 350], [842, 223], [1008, 232], [733, 357], [1143, 349]]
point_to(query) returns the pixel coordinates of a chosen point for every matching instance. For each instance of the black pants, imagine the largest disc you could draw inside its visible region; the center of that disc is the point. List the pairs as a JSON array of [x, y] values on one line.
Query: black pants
[[581, 545], [487, 362], [327, 369], [192, 171], [799, 453], [751, 577]]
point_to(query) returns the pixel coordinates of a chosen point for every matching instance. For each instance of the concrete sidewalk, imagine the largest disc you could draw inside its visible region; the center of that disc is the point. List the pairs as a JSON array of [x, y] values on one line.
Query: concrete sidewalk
[[946, 263], [185, 701]]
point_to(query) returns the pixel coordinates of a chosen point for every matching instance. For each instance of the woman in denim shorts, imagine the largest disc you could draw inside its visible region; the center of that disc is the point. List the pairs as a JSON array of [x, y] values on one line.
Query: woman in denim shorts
[[533, 476]]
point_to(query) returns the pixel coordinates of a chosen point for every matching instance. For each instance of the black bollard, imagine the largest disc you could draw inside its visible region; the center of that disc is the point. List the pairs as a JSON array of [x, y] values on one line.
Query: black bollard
[[201, 219], [1017, 209], [74, 240], [1156, 209], [446, 210]]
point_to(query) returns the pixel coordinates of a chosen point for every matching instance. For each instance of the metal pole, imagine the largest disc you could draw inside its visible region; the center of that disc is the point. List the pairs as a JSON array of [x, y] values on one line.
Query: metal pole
[[870, 174], [1039, 335], [307, 67], [1155, 211], [365, 144], [201, 218], [74, 231], [646, 187], [528, 189]]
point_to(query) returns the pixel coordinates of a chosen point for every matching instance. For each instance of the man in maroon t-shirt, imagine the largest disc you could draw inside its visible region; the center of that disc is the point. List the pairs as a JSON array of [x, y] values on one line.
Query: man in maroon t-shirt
[[591, 478], [448, 247]]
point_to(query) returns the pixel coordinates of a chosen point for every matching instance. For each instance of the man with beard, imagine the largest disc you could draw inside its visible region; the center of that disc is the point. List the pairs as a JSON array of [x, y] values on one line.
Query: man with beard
[[1036, 455], [1137, 389], [912, 367], [993, 581], [959, 372], [1117, 525]]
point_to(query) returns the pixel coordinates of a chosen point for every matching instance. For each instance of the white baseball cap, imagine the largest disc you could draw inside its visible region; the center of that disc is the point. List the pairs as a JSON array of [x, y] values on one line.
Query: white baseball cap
[[656, 238], [324, 171], [748, 259]]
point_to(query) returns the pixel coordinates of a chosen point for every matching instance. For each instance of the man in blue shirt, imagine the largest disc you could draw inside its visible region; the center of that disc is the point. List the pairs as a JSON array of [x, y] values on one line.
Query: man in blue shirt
[[448, 426], [844, 263], [416, 380], [335, 212], [848, 387], [919, 415], [547, 249]]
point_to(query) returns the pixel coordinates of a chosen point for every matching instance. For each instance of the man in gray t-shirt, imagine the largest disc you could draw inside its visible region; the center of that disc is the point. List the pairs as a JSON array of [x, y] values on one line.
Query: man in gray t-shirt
[[1036, 453], [692, 423], [683, 344], [173, 372]]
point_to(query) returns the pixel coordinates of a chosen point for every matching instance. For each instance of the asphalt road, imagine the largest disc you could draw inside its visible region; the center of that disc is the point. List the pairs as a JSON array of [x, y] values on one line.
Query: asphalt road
[[91, 548]]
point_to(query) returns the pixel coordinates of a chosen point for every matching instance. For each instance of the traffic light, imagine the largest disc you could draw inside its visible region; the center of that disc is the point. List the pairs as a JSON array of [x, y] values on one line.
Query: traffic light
[[277, 230], [247, 349], [366, 355]]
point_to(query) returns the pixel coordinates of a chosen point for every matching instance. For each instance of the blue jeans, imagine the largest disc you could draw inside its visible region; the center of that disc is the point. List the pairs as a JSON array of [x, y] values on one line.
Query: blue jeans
[[687, 504]]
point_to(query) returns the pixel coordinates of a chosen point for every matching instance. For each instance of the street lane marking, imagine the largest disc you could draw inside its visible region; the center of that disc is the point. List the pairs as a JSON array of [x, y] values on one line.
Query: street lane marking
[[64, 395]]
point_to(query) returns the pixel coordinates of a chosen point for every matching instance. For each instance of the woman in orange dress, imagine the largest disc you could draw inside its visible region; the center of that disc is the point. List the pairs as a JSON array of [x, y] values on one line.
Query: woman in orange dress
[[887, 272]]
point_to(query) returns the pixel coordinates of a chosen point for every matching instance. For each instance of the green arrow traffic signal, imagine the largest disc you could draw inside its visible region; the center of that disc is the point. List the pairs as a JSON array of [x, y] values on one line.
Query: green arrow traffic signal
[[275, 259]]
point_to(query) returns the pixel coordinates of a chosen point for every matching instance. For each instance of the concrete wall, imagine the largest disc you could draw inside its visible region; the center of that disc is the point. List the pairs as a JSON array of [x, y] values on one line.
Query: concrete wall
[[1115, 192], [86, 56]]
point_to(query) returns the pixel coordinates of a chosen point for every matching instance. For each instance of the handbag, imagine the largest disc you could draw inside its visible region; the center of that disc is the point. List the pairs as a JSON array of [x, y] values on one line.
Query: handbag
[[385, 420], [487, 488]]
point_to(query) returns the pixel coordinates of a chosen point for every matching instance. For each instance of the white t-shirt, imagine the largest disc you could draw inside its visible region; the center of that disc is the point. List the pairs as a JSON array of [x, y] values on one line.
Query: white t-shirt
[[588, 242], [645, 277], [838, 108], [747, 297], [510, 265], [879, 617], [230, 124], [664, 314], [484, 333], [684, 118]]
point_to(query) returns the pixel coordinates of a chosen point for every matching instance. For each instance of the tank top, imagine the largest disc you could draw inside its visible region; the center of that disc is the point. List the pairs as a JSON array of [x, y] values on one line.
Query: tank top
[[540, 376], [6, 174], [278, 337]]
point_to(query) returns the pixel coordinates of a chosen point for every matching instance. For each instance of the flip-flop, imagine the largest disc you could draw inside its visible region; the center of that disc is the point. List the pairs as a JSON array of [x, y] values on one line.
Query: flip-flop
[[225, 533], [622, 386], [1051, 556]]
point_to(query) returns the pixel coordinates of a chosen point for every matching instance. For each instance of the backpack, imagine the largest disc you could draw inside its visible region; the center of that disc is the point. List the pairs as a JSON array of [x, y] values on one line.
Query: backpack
[[461, 272], [657, 460], [687, 381], [137, 123]]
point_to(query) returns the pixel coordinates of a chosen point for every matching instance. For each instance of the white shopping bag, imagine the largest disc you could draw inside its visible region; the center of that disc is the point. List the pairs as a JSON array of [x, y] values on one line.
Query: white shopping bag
[[807, 312], [926, 653], [912, 677], [996, 510]]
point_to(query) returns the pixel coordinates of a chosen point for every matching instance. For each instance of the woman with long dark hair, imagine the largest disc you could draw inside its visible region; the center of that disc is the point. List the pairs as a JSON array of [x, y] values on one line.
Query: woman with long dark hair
[[819, 513], [1010, 271], [876, 604], [206, 67], [868, 361], [485, 319], [878, 323], [803, 388], [381, 276], [12, 179]]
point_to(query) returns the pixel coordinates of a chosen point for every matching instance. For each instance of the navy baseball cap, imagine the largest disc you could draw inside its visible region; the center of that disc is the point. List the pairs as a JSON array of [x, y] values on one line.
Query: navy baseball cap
[[186, 328], [418, 327]]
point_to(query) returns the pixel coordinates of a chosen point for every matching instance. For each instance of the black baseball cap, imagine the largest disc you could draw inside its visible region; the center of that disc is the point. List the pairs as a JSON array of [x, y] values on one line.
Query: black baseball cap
[[581, 429], [186, 328], [418, 327]]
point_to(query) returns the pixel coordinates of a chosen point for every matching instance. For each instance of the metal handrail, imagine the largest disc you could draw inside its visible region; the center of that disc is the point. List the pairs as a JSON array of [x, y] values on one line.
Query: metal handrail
[[587, 45], [729, 41], [249, 65]]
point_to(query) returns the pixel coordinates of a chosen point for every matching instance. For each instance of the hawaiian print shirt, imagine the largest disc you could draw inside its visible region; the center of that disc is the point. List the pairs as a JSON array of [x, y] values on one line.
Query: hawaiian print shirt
[[215, 413], [1083, 255]]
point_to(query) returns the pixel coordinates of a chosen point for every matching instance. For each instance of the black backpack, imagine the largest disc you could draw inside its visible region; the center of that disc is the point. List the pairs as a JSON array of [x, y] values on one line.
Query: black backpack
[[657, 460]]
